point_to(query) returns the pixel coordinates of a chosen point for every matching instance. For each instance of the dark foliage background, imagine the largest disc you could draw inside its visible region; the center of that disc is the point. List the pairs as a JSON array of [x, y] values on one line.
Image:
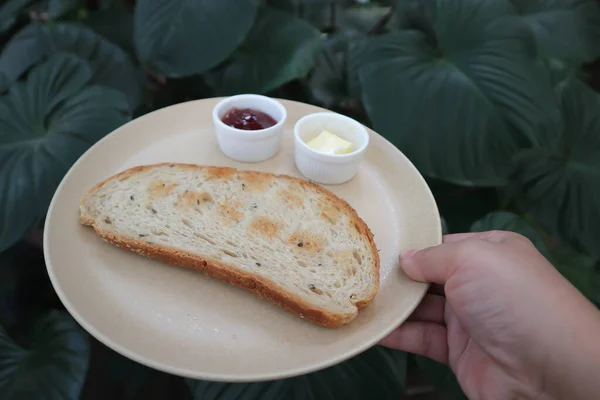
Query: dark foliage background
[[494, 101]]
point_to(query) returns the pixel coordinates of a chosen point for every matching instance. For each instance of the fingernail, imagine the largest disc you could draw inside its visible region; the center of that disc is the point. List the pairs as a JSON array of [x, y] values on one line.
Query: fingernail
[[407, 254]]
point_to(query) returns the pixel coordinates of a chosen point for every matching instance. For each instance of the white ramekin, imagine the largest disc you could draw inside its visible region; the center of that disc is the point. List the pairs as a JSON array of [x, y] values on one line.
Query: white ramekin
[[329, 169], [249, 146]]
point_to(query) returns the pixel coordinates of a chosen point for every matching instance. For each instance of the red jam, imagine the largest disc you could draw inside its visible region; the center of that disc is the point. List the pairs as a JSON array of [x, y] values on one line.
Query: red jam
[[248, 119]]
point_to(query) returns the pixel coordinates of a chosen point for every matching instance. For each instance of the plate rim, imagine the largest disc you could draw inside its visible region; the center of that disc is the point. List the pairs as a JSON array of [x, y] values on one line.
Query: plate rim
[[220, 377]]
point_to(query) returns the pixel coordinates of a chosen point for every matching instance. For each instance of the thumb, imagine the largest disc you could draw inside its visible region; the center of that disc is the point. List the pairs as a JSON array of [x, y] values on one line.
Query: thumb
[[432, 265], [438, 263]]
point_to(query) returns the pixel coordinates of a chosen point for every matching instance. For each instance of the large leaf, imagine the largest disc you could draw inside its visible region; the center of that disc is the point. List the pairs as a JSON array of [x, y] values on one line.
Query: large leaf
[[186, 37], [25, 290], [459, 101], [378, 373], [9, 12], [444, 226], [112, 66], [60, 8], [507, 221], [332, 79], [595, 294], [461, 206], [46, 123], [559, 183], [115, 25], [8, 289], [322, 14], [53, 366], [568, 29], [319, 13], [365, 19], [174, 91], [131, 376], [442, 377], [56, 9], [377, 17], [278, 49], [578, 268]]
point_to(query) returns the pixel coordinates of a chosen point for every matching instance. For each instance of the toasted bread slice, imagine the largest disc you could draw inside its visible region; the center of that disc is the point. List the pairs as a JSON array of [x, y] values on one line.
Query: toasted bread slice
[[283, 238]]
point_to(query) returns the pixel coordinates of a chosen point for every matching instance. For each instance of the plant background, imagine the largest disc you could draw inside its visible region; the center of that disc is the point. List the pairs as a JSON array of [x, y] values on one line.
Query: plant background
[[494, 101]]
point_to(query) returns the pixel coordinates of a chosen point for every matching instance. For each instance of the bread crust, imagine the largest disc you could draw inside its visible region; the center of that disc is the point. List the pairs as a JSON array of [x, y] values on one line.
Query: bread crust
[[258, 285]]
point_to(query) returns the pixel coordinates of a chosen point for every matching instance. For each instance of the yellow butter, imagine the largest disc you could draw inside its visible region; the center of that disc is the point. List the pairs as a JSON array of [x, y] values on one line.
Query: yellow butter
[[327, 142]]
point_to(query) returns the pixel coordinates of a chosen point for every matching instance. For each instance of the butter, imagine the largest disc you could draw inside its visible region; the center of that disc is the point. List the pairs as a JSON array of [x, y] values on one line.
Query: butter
[[327, 142]]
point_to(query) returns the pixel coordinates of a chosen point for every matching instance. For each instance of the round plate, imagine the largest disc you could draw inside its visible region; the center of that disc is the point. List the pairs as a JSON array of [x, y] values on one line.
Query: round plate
[[183, 323]]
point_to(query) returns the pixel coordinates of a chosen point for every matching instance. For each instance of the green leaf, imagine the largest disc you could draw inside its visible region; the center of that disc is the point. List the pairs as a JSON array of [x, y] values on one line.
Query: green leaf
[[363, 19], [559, 70], [317, 13], [4, 83], [579, 269], [25, 290], [56, 9], [52, 367], [112, 66], [278, 49], [378, 373], [444, 226], [131, 376], [46, 123], [459, 103], [568, 29], [322, 14], [507, 221], [442, 377], [558, 183], [115, 25], [595, 294], [404, 12], [460, 205], [9, 12], [186, 37], [105, 4], [331, 81], [8, 288]]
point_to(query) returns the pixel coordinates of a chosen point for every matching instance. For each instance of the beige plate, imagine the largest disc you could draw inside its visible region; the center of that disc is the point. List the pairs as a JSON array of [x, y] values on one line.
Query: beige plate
[[183, 323]]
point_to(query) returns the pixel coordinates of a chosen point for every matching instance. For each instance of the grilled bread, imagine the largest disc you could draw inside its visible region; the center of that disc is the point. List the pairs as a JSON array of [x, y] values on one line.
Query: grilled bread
[[285, 239]]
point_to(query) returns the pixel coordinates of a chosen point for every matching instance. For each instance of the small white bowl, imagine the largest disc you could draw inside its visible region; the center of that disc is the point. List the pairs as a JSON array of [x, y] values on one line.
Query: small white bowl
[[329, 169], [246, 145]]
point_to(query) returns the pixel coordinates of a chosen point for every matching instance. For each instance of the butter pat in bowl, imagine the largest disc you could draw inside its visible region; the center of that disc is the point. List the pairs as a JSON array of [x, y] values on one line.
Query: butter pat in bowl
[[329, 147]]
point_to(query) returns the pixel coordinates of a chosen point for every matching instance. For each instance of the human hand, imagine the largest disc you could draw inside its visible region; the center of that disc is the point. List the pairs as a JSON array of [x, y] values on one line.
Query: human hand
[[510, 326]]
